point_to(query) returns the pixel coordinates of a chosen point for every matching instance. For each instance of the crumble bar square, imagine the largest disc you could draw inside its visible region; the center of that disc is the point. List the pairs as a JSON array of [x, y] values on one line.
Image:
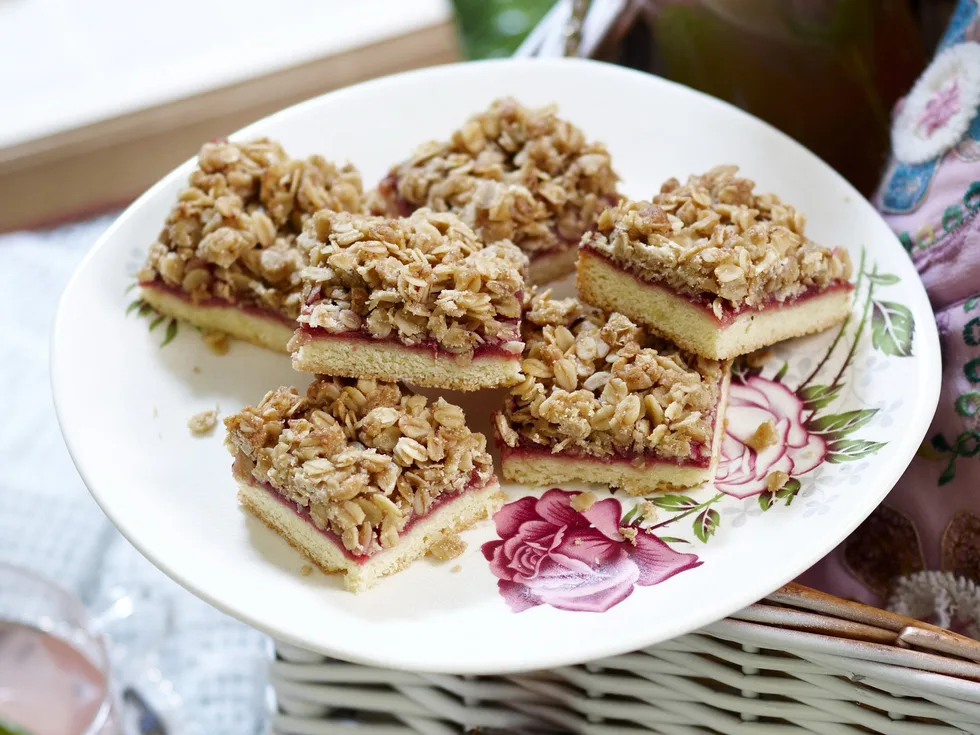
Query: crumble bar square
[[603, 402], [515, 173], [360, 476], [418, 299], [715, 268], [227, 258]]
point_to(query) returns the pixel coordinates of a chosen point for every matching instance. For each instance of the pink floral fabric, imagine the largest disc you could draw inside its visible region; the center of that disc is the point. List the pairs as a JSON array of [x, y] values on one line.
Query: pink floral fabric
[[921, 548], [551, 554]]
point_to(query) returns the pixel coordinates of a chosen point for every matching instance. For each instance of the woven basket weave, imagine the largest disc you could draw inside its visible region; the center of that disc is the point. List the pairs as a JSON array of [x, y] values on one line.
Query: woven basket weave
[[797, 662]]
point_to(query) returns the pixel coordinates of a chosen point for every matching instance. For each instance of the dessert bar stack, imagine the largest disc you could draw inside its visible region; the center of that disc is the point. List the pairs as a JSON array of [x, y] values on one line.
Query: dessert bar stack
[[437, 279]]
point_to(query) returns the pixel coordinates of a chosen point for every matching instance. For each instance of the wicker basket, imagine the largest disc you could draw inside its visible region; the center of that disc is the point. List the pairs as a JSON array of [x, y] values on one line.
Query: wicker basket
[[798, 662]]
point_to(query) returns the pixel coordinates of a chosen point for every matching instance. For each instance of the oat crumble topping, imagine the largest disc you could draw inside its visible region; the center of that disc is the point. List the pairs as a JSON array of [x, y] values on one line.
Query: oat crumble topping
[[426, 277], [648, 511], [583, 501], [449, 547], [203, 423], [714, 235], [776, 480], [764, 436], [758, 358], [232, 233], [363, 457], [216, 341], [306, 570], [512, 173], [600, 385]]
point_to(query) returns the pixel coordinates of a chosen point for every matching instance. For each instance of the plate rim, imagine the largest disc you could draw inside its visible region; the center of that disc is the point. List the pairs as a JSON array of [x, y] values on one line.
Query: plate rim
[[928, 391]]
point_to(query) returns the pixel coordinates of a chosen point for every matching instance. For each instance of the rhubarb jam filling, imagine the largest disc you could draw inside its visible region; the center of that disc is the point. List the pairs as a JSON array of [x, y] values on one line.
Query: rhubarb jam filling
[[526, 449], [303, 513], [703, 301], [306, 334]]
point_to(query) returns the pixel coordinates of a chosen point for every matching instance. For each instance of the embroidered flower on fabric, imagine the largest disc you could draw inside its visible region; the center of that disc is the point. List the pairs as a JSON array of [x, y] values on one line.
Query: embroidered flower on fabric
[[942, 104]]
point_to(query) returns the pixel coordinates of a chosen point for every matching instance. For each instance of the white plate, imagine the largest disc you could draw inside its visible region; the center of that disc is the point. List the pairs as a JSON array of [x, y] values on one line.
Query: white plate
[[123, 402]]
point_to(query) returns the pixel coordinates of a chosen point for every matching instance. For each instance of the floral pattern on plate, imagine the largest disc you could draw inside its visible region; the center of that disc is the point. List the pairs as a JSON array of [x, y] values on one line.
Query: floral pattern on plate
[[548, 553]]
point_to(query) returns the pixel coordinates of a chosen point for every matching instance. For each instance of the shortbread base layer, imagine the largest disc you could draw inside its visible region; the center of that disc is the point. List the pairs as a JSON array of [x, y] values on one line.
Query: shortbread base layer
[[361, 574], [540, 467], [551, 266], [543, 469], [393, 362], [264, 332], [695, 328]]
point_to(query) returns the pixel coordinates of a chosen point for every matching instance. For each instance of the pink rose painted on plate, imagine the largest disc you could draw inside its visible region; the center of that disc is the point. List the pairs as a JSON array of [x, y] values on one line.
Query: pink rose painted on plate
[[551, 554], [742, 471]]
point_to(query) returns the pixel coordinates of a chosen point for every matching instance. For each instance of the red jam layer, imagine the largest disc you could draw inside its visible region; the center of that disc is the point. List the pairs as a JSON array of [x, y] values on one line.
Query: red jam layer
[[705, 300], [301, 512], [527, 449], [429, 346], [216, 303]]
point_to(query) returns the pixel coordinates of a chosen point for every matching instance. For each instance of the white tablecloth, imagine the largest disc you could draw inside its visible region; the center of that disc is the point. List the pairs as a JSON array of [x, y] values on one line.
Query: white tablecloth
[[49, 522]]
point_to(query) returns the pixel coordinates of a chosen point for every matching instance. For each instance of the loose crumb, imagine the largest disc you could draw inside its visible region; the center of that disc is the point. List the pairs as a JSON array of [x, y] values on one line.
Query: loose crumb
[[456, 568], [306, 570], [204, 422], [448, 548], [629, 533], [764, 436], [758, 358], [776, 480], [216, 341], [583, 501], [196, 369], [648, 511]]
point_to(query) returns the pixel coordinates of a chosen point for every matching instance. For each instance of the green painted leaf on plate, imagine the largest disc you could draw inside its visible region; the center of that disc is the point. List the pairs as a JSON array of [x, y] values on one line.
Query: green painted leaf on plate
[[673, 540], [839, 425], [171, 332], [706, 524], [892, 328], [849, 450], [156, 322], [882, 279], [138, 304], [765, 500], [815, 397], [674, 502]]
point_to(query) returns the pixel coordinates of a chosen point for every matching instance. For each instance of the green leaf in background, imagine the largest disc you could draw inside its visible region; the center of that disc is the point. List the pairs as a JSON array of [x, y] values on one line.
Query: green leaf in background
[[892, 327], [815, 397], [674, 502], [765, 500], [145, 309], [839, 425], [138, 304], [706, 524], [849, 450], [673, 540], [882, 279], [782, 372], [156, 322], [630, 515], [9, 728], [495, 28]]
